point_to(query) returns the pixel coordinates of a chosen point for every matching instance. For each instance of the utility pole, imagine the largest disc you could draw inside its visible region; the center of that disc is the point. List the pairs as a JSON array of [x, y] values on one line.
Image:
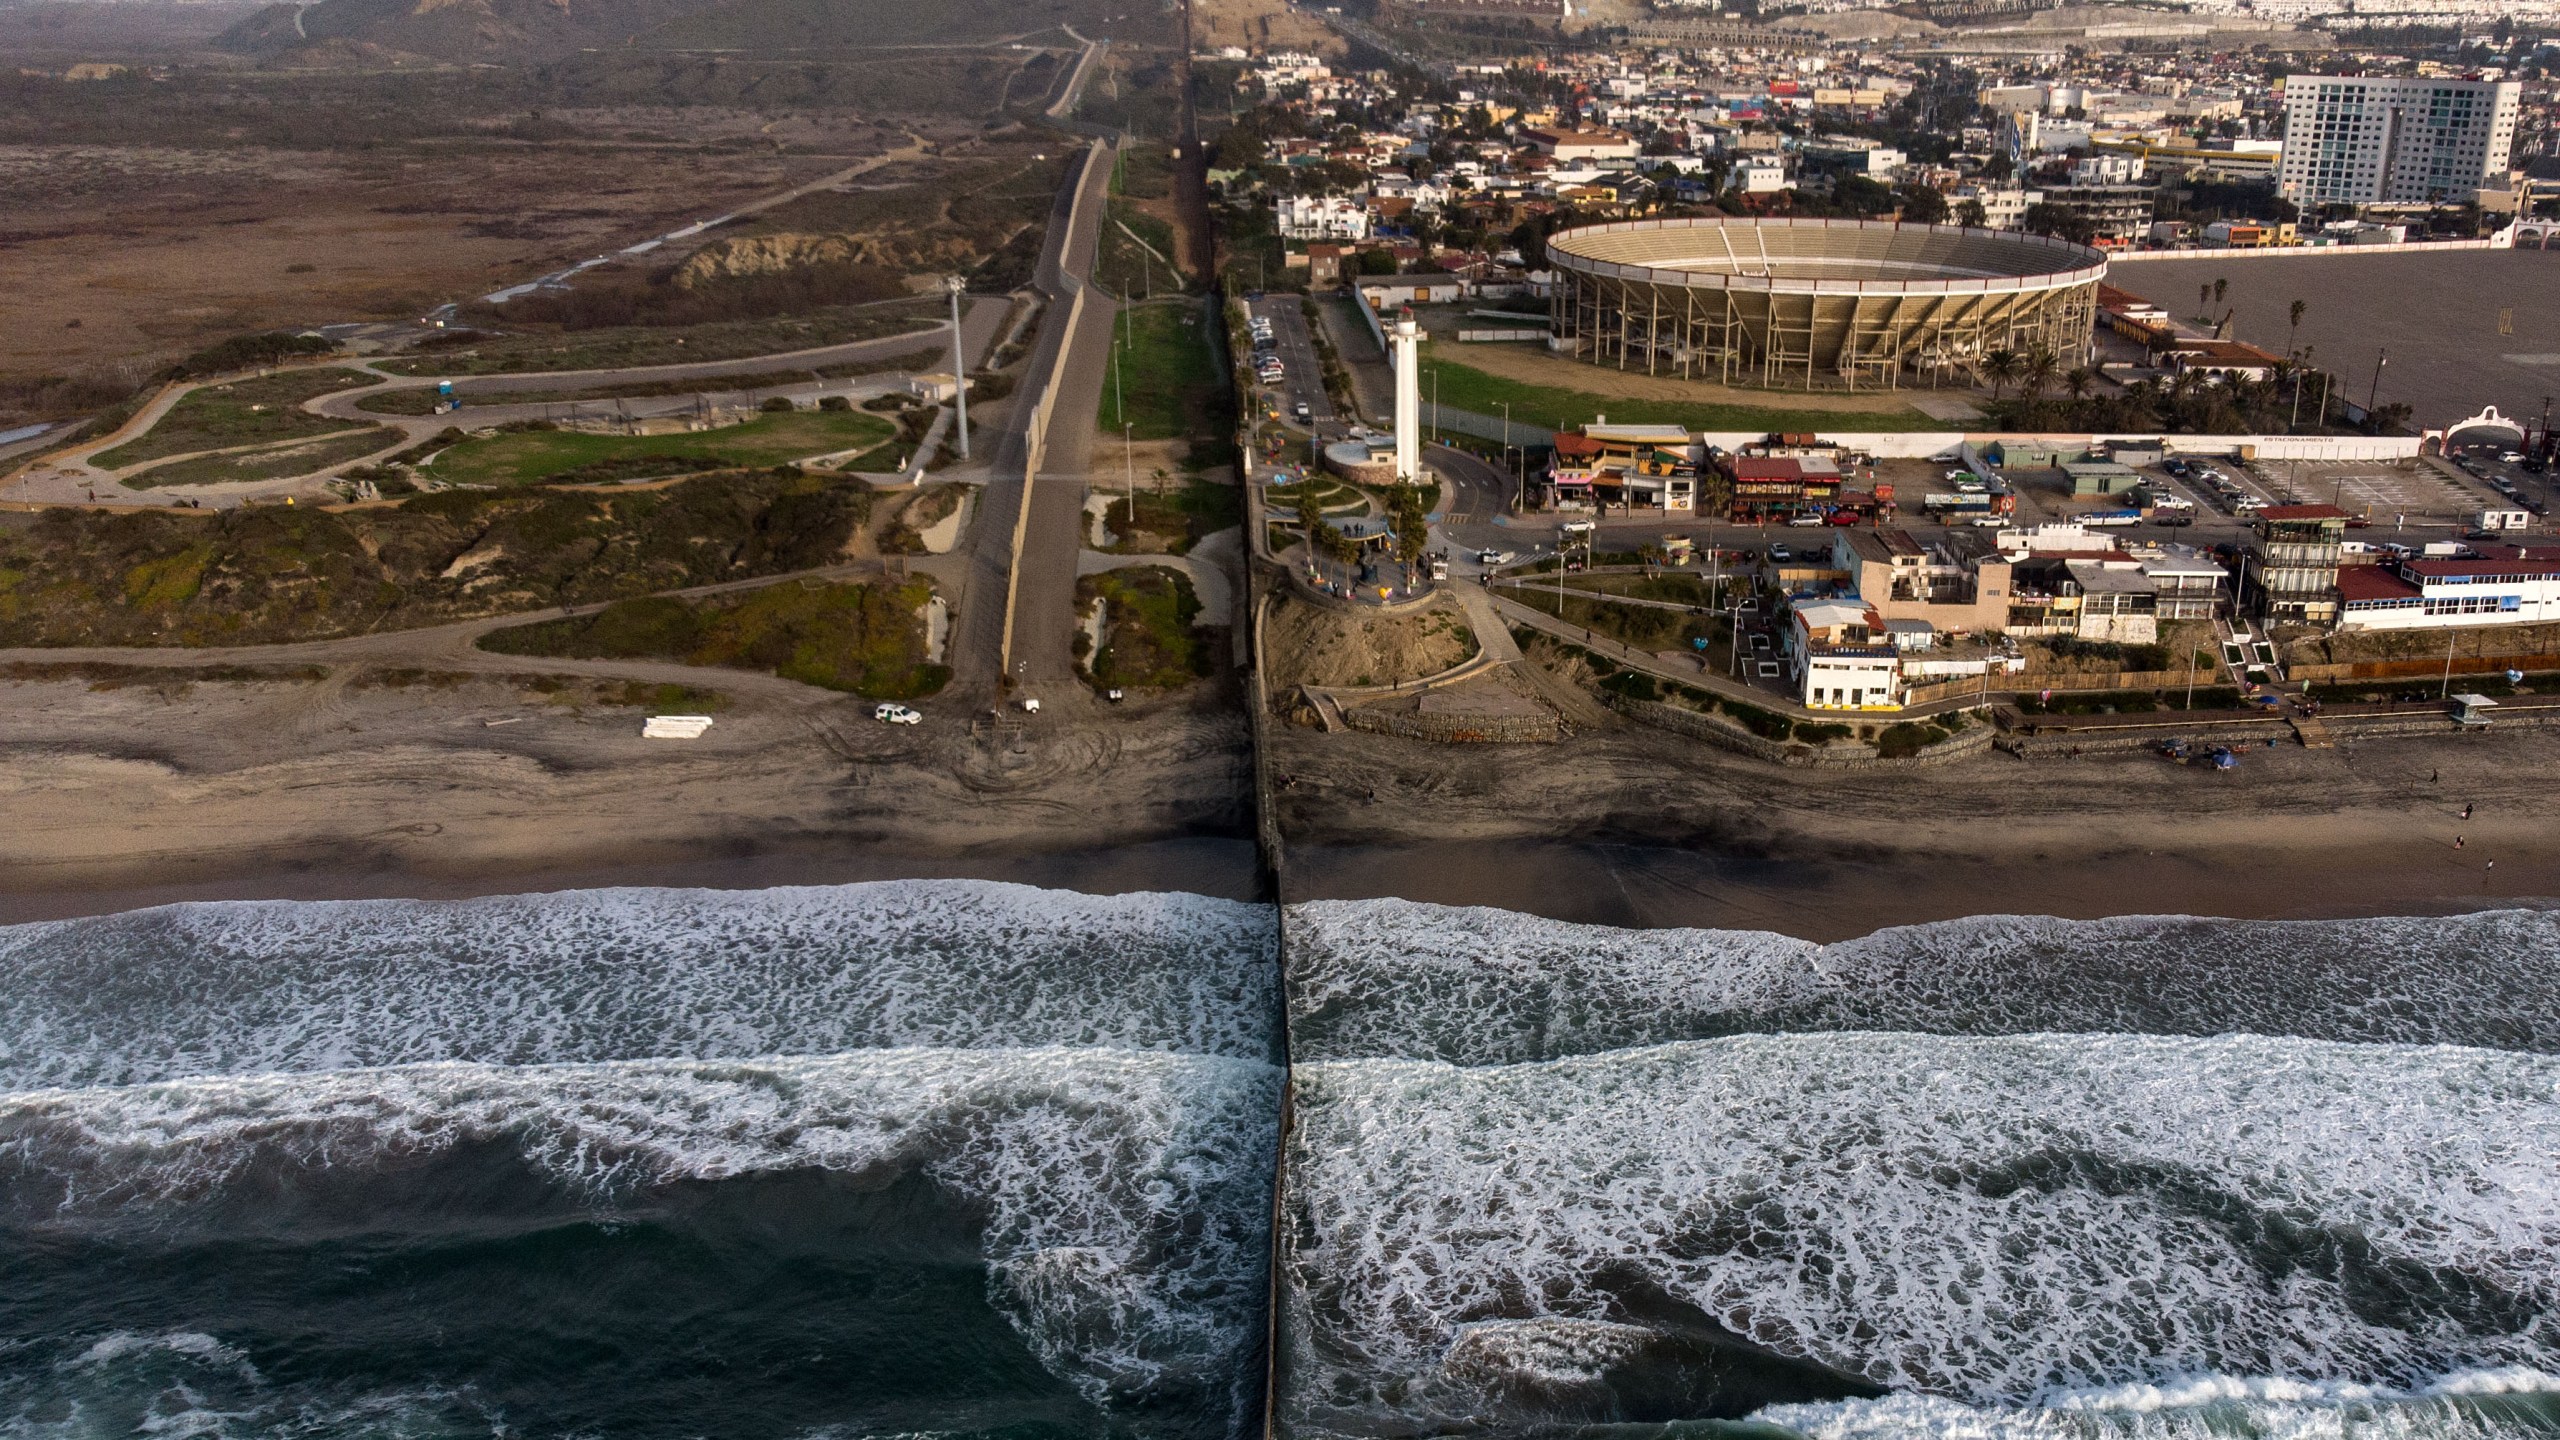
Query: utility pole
[[2447, 687], [1129, 467], [959, 357]]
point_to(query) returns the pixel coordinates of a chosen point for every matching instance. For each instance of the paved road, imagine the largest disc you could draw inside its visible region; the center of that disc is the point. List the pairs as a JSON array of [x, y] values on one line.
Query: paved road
[[1296, 347], [1044, 604]]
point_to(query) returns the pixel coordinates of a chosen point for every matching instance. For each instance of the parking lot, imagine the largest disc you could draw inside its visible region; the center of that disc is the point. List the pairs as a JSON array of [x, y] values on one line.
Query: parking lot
[[1302, 378]]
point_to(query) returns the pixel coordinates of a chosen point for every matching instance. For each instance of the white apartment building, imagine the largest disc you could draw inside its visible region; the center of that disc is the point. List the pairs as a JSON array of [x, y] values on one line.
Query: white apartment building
[[1322, 217], [2382, 140]]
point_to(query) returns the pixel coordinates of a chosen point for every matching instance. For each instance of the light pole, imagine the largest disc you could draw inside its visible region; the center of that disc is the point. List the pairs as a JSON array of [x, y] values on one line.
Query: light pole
[[959, 357], [1129, 467], [2381, 357]]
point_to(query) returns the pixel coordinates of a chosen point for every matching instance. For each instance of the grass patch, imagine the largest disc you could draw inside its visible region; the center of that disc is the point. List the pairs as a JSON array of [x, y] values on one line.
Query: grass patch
[[272, 573], [1464, 387], [275, 464], [866, 639], [1642, 627], [1167, 386], [422, 400], [1170, 522], [245, 412], [524, 456], [622, 347], [1148, 642]]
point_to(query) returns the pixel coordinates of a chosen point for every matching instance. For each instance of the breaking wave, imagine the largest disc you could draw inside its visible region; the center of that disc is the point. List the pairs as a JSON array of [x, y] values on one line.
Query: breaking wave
[[235, 988], [1988, 1221], [1123, 1198], [1393, 979]]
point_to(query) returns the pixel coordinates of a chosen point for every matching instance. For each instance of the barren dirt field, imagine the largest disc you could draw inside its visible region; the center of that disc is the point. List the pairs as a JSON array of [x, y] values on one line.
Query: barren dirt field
[[135, 255]]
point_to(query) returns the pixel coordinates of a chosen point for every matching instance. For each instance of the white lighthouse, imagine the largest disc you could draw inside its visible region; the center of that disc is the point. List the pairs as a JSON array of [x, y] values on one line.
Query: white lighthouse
[[1407, 343]]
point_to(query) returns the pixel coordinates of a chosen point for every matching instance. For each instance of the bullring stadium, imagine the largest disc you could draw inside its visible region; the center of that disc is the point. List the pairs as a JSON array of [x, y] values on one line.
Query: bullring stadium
[[1817, 304]]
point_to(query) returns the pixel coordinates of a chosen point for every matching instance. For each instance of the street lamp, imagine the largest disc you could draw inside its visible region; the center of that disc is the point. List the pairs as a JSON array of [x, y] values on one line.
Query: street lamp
[[959, 356], [1129, 465], [2381, 357]]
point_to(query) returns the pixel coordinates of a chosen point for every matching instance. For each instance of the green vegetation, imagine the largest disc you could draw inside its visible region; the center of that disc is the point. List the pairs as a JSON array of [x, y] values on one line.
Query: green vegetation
[[1170, 522], [1644, 627], [248, 352], [1463, 387], [1331, 495], [624, 347], [276, 573], [245, 412], [2127, 702], [1148, 642], [1816, 732], [422, 400], [867, 639], [1907, 738], [273, 464], [1166, 383], [523, 456]]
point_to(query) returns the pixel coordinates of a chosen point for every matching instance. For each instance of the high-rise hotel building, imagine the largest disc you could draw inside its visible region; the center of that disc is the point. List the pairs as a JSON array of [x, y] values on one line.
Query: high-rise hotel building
[[2384, 140]]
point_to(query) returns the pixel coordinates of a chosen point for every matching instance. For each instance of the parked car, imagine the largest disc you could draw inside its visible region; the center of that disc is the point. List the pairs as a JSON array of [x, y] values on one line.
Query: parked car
[[1495, 557], [1807, 521], [1781, 554], [1302, 412], [891, 713]]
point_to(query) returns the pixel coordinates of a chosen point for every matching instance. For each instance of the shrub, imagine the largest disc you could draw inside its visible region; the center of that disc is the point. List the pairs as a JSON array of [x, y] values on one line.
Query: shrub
[[1816, 733], [834, 402], [777, 405], [1907, 739], [1633, 685], [1763, 723], [246, 352]]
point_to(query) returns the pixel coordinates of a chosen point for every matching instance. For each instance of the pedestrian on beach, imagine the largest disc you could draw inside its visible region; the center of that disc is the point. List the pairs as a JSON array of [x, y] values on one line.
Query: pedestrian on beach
[[2457, 842], [2492, 865], [2466, 812], [2431, 777]]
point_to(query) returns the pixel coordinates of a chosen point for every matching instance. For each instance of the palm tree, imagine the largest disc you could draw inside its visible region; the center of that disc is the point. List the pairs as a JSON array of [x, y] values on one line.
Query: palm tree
[[1999, 367], [2220, 289], [2295, 331], [2036, 375], [2077, 380]]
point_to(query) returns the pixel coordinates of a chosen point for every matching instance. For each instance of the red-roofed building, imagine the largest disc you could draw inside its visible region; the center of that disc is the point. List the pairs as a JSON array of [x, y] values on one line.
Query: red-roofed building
[[2501, 585]]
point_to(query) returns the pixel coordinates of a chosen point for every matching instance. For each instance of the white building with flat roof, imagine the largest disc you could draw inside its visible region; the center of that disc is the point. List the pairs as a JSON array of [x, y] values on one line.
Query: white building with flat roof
[[2386, 140]]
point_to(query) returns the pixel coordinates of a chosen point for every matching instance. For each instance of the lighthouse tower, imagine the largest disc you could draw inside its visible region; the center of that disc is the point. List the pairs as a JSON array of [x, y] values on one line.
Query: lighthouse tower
[[1407, 345]]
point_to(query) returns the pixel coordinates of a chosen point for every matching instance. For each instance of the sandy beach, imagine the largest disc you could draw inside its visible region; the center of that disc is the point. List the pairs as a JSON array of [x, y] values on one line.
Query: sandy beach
[[1631, 827], [122, 794]]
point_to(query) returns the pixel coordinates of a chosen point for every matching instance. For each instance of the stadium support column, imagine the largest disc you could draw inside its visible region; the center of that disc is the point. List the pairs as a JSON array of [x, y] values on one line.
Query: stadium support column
[[1407, 342]]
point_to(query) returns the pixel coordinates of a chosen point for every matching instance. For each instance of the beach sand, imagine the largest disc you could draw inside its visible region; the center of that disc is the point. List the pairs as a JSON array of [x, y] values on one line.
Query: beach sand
[[127, 794], [140, 794], [1632, 827]]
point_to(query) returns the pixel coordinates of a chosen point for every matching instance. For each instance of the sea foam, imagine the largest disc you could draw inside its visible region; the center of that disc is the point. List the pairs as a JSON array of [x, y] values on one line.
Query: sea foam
[[1988, 1220], [1474, 986], [1124, 1196], [2466, 1405], [240, 988]]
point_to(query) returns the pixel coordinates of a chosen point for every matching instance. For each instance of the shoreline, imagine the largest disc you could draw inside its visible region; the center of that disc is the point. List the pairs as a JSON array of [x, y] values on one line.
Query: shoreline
[[1218, 866]]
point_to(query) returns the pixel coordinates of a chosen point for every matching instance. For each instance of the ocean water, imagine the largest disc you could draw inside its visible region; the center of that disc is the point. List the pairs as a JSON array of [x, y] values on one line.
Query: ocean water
[[936, 1157], [964, 1159], [2008, 1176]]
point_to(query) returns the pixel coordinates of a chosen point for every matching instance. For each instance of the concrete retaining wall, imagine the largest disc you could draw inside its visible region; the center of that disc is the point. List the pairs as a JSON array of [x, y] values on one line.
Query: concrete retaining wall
[[1455, 729]]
